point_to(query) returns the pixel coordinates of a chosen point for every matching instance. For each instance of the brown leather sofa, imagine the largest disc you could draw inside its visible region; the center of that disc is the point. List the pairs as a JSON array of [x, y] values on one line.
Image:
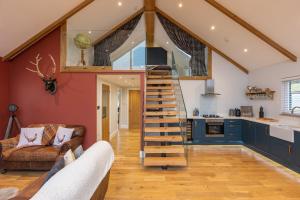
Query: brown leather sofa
[[38, 157]]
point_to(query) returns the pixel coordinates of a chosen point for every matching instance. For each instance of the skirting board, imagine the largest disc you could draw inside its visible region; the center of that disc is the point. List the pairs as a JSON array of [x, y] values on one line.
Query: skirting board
[[125, 126]]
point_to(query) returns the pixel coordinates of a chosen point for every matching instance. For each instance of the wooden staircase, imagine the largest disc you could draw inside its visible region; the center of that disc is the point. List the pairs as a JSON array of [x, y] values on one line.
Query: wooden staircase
[[162, 132]]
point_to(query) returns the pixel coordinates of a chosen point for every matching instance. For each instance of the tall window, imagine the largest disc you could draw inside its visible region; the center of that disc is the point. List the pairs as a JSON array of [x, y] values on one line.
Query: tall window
[[291, 96], [133, 59]]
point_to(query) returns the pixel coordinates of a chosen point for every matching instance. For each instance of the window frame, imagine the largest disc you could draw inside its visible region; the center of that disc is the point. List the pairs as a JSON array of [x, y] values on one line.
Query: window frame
[[288, 95]]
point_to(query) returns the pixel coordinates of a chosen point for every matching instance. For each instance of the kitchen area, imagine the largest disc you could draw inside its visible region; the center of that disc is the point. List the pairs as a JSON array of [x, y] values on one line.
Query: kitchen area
[[276, 139]]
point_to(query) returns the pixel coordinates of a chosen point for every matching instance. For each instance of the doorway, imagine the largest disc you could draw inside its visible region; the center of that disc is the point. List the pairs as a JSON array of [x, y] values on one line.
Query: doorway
[[105, 112], [134, 109]]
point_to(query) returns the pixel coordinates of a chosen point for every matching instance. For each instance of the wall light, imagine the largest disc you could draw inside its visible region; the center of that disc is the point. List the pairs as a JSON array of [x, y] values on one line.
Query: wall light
[[120, 3]]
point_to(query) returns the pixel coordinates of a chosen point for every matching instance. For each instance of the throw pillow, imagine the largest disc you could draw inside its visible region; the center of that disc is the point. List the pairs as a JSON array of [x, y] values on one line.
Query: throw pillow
[[69, 157], [50, 131], [63, 135], [31, 137], [59, 164], [78, 151]]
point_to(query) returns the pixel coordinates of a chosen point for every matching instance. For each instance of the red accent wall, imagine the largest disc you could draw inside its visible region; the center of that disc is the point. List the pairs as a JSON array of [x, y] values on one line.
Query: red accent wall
[[4, 96], [75, 100]]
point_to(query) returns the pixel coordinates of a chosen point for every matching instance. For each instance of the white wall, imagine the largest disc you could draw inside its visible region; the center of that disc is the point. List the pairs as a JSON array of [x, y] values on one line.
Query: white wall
[[230, 82], [271, 77]]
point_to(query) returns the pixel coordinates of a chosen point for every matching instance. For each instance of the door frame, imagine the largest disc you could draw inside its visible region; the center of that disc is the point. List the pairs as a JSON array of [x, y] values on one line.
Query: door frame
[[128, 100]]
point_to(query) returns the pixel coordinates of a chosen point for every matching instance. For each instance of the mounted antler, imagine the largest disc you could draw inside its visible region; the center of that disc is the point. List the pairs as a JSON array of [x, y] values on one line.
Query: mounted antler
[[38, 71], [49, 80], [36, 64]]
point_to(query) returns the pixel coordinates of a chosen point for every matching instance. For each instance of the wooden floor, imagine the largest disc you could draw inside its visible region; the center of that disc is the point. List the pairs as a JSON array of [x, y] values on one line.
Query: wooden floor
[[213, 173]]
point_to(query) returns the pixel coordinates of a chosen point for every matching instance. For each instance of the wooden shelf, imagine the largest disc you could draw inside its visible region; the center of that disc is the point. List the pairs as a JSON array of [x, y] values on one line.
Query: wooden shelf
[[261, 95]]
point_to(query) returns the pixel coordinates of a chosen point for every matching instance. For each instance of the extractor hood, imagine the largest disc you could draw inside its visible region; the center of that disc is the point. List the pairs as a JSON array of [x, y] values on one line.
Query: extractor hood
[[210, 88]]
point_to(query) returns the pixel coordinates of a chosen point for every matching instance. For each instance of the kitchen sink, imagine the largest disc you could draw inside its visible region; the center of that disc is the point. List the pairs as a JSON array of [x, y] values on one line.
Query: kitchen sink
[[283, 131]]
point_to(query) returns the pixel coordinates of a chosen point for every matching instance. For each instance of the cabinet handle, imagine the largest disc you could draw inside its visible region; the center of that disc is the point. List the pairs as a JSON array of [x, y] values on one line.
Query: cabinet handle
[[290, 149]]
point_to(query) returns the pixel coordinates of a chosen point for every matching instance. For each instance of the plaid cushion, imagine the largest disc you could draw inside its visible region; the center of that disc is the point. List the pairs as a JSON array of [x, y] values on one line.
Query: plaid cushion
[[49, 132]]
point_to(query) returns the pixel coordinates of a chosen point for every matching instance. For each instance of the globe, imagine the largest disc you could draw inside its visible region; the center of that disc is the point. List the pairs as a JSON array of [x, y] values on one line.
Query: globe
[[82, 41]]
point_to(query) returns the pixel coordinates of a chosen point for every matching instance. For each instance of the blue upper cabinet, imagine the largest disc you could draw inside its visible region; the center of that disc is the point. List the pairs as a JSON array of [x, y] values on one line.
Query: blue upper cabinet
[[233, 130], [198, 130], [262, 136]]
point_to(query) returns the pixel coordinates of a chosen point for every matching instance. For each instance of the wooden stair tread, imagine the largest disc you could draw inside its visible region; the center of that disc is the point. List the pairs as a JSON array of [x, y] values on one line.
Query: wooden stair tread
[[160, 93], [161, 113], [160, 105], [161, 120], [159, 81], [165, 161], [160, 88], [167, 138], [159, 76], [162, 129], [164, 149], [161, 99]]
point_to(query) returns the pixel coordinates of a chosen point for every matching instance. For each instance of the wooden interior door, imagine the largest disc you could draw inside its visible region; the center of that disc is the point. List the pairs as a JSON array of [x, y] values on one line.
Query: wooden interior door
[[134, 109], [105, 112]]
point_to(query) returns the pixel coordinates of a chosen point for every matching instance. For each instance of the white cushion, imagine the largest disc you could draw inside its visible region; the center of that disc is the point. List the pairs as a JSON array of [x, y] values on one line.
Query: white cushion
[[69, 157], [63, 135], [31, 136]]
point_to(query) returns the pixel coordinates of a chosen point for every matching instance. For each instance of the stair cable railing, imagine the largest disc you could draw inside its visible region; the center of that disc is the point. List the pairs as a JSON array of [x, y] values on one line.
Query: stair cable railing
[[181, 107]]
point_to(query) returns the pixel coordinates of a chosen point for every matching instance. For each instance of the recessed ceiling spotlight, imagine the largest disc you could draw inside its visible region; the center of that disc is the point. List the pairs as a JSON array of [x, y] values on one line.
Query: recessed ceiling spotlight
[[212, 28], [120, 77], [245, 50], [167, 42], [120, 3], [132, 42], [180, 5], [90, 32]]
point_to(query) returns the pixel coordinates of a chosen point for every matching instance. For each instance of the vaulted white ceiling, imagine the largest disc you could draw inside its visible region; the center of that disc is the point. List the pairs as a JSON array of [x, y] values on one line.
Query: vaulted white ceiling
[[20, 20], [280, 20]]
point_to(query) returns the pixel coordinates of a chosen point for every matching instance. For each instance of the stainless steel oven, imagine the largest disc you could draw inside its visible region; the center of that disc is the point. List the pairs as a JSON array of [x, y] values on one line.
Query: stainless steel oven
[[214, 127]]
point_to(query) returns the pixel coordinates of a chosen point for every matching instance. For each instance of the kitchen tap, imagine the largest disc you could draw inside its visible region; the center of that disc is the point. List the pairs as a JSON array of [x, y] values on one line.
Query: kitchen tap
[[293, 109]]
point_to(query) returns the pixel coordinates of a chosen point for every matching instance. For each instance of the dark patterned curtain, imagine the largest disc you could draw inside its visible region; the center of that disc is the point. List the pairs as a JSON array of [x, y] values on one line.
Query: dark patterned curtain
[[188, 44], [105, 47]]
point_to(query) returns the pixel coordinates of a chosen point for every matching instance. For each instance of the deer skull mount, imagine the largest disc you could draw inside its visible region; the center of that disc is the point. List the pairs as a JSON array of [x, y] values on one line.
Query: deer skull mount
[[48, 79]]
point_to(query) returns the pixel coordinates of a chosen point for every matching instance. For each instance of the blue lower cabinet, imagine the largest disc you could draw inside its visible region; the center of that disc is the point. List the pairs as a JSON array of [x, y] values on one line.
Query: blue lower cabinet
[[233, 130], [248, 132], [296, 150], [262, 137], [198, 130], [281, 149]]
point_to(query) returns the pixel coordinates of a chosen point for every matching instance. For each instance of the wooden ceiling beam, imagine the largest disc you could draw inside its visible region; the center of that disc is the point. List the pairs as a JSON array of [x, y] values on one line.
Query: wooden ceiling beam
[[125, 21], [149, 6], [242, 68], [252, 29], [45, 31]]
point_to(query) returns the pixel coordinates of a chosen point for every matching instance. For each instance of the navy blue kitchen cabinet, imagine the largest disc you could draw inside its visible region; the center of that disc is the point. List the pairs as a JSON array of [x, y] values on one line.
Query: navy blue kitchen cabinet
[[248, 132], [282, 150], [296, 151], [198, 130], [233, 130], [262, 137]]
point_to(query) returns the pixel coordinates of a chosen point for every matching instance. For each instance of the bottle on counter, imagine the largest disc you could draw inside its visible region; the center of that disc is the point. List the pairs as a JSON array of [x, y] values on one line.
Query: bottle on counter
[[261, 112]]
